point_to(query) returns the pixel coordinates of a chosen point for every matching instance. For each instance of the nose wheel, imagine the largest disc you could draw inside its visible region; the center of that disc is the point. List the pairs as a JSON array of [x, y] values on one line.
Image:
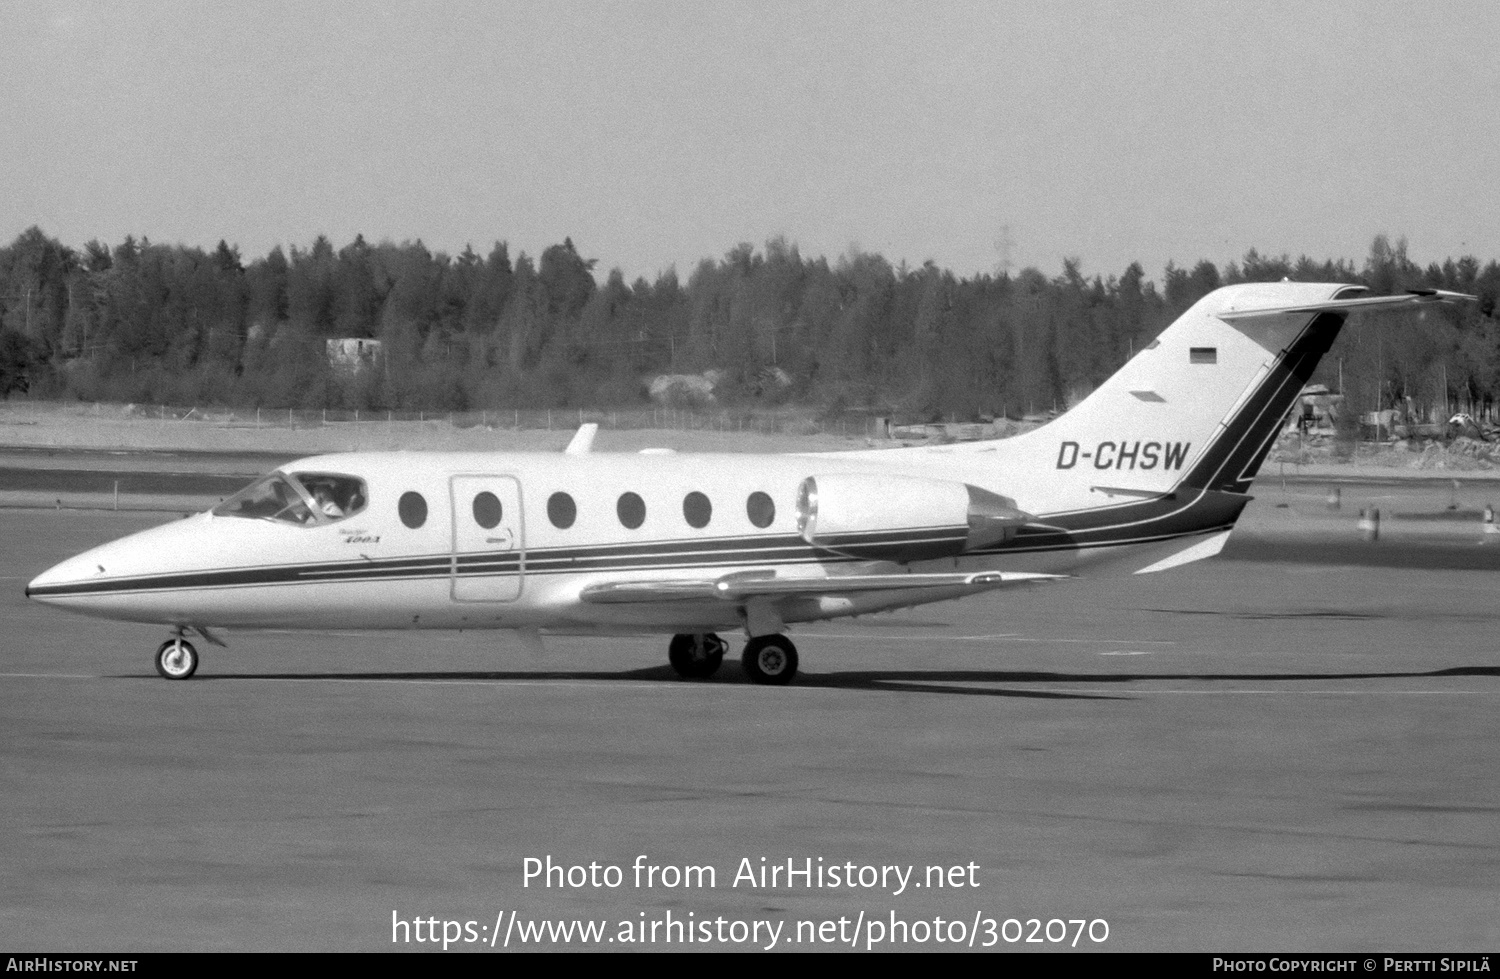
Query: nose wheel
[[176, 659], [770, 659], [696, 656]]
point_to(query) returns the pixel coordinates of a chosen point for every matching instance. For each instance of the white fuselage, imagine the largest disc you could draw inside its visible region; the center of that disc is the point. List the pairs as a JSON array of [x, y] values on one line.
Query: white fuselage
[[371, 570]]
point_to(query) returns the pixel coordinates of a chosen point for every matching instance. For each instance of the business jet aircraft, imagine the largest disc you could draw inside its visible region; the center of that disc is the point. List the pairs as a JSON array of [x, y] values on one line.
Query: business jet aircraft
[[1147, 473]]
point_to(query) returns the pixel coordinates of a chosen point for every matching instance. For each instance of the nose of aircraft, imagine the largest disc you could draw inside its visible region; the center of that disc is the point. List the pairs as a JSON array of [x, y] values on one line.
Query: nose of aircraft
[[82, 580], [66, 578]]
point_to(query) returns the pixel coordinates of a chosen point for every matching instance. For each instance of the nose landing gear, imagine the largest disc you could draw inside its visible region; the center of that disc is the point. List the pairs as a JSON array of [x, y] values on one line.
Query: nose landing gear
[[176, 659]]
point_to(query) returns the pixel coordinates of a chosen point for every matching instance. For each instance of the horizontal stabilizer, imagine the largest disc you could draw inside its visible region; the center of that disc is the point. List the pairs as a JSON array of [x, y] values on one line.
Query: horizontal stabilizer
[[738, 587], [1198, 551], [1408, 299]]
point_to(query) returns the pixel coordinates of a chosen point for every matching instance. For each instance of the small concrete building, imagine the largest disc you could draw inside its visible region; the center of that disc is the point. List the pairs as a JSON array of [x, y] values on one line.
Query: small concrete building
[[353, 354]]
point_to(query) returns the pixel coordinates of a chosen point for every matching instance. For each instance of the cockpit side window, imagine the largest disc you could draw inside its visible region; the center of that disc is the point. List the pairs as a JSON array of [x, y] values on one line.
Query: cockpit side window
[[301, 499], [334, 495]]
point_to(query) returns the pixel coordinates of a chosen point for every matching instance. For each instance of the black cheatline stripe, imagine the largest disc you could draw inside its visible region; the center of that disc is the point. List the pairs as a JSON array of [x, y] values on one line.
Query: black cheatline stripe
[[1119, 541], [291, 574], [147, 585], [667, 554], [1147, 520], [502, 559], [366, 568], [273, 574], [263, 577]]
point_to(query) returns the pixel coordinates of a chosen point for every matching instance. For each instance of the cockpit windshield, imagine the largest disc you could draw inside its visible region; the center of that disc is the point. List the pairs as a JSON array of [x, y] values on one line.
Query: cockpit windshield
[[303, 499]]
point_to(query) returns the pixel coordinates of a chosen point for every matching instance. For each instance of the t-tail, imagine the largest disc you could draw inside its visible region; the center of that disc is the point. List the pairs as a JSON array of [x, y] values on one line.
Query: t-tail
[[1166, 449], [1201, 405]]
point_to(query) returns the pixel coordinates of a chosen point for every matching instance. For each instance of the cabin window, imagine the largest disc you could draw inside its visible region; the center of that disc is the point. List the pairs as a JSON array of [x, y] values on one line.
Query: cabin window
[[302, 499], [413, 509], [561, 510], [631, 509], [761, 509], [1203, 355], [487, 510], [697, 510]]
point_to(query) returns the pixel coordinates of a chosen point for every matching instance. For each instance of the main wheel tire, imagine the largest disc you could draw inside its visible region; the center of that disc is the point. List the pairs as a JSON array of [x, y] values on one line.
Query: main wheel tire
[[696, 656], [770, 659], [176, 659]]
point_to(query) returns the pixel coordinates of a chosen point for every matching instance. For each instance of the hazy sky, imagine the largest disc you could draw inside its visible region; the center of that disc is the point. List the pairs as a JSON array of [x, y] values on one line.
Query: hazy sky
[[660, 133]]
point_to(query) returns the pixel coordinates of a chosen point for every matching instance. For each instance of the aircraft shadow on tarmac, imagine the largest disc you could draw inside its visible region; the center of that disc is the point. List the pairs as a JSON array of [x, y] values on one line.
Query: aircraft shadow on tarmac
[[1347, 615], [1451, 555], [894, 681], [911, 681]]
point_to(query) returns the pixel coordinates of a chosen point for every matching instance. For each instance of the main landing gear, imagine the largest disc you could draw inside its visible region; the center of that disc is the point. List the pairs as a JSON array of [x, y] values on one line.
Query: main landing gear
[[696, 656], [176, 659], [767, 659], [770, 659]]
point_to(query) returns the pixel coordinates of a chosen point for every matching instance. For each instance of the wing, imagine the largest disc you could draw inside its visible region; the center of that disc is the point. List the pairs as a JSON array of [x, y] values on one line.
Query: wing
[[756, 584]]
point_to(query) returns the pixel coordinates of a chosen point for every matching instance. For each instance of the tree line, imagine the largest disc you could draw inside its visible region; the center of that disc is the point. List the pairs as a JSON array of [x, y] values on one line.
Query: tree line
[[169, 324]]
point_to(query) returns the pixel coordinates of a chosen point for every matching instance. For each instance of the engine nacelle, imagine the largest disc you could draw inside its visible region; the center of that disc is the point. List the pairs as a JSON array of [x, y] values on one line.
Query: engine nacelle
[[902, 518]]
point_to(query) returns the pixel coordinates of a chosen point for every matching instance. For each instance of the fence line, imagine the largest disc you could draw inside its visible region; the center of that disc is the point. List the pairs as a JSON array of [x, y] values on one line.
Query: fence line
[[562, 419]]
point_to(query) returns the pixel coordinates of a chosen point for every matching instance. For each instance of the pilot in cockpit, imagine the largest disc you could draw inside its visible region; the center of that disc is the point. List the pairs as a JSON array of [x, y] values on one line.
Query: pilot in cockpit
[[305, 499], [326, 503]]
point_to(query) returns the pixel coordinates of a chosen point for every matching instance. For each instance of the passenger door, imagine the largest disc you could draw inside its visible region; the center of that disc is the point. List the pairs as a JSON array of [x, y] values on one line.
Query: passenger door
[[489, 555]]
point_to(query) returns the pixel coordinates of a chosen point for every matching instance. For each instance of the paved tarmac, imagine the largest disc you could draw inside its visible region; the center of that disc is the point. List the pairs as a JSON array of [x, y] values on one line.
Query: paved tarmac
[[1252, 754]]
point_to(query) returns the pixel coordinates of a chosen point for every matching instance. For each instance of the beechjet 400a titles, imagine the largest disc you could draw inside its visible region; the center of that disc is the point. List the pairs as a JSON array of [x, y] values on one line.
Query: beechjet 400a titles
[[1147, 473]]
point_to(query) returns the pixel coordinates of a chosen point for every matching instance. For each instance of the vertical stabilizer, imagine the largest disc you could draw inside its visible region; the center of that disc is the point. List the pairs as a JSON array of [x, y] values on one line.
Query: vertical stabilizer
[[1201, 404]]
